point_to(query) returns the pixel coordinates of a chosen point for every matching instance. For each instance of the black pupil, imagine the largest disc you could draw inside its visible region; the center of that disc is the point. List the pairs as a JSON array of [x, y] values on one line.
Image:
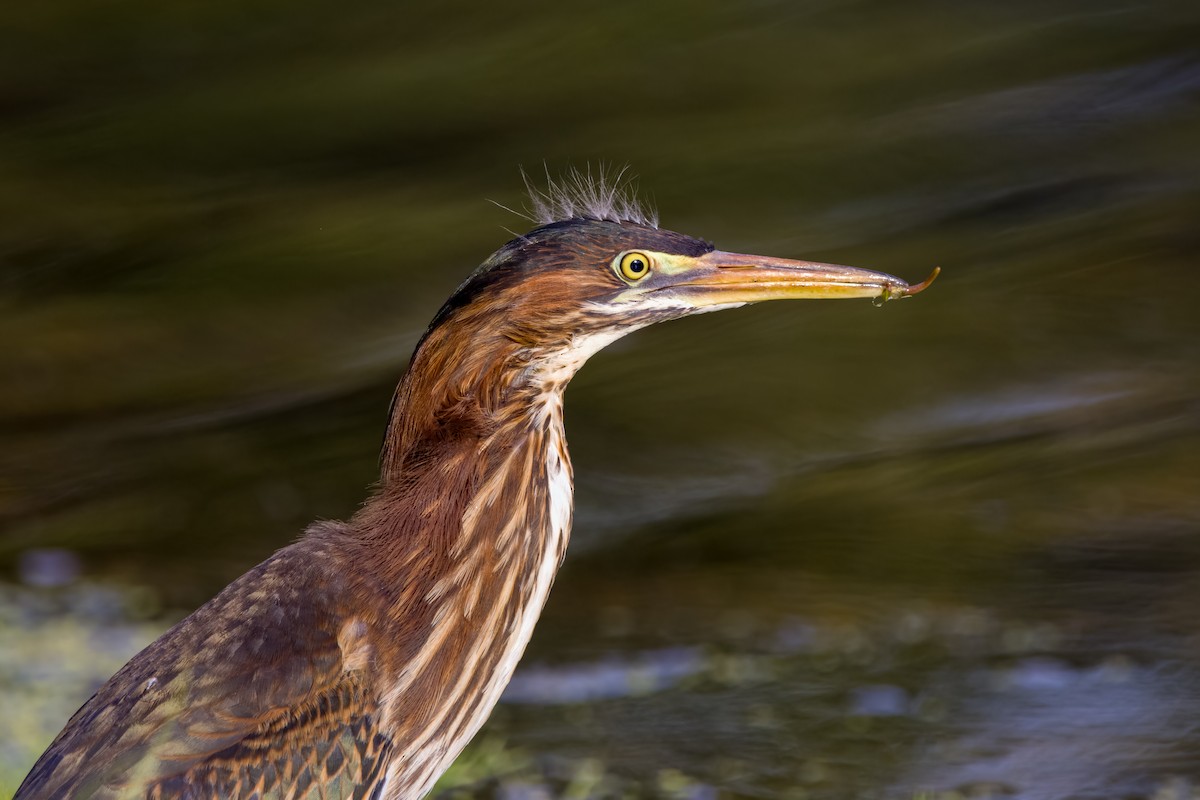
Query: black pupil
[[637, 265]]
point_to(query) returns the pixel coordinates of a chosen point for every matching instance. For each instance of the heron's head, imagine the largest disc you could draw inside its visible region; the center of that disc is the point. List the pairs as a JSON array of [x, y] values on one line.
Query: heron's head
[[569, 287], [595, 269]]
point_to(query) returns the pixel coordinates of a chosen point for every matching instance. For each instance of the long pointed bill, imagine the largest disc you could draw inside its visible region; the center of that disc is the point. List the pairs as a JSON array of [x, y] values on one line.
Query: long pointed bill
[[718, 278]]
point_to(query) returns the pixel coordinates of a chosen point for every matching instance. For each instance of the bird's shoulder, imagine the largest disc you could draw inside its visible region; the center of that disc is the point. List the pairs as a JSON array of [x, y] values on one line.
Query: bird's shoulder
[[265, 689]]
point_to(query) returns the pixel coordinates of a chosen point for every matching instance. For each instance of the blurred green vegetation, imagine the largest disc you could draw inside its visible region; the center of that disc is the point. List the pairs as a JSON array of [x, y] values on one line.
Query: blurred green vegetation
[[226, 224]]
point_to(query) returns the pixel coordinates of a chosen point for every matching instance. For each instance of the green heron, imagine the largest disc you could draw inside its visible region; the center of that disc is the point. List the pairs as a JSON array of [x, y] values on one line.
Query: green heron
[[359, 661]]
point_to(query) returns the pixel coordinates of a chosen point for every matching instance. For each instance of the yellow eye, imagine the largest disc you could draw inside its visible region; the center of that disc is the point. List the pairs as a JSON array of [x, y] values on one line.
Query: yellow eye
[[634, 266]]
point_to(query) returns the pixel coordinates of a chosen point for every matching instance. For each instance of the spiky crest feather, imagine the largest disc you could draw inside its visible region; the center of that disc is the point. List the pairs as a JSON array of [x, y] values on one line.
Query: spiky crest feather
[[608, 195]]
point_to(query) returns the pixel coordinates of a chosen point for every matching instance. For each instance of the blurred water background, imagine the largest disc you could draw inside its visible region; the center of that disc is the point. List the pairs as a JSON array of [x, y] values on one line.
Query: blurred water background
[[949, 548]]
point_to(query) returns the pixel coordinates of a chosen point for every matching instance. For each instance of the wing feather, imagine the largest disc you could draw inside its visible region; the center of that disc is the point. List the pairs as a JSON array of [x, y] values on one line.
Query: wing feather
[[274, 703]]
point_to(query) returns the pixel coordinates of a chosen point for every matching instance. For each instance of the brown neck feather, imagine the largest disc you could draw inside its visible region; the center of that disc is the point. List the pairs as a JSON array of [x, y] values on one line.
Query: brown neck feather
[[466, 379], [461, 541]]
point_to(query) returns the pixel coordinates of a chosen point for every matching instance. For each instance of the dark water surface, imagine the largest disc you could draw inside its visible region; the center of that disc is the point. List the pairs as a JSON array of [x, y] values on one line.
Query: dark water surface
[[947, 548]]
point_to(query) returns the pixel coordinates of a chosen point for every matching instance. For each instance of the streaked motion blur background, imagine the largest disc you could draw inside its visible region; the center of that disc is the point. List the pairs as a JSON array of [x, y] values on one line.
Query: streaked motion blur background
[[947, 548]]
